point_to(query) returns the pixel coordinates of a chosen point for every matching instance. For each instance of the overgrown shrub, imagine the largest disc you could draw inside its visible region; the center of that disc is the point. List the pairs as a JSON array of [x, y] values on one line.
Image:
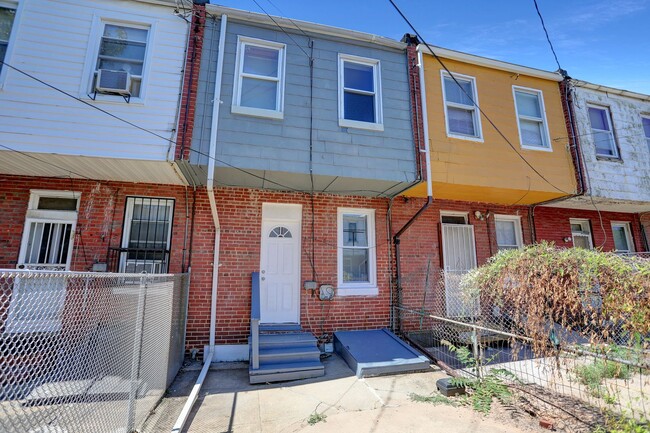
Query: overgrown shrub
[[604, 297]]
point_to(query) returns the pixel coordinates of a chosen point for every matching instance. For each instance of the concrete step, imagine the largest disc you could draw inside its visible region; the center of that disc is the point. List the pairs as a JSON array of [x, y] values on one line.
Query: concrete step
[[287, 339], [278, 372], [279, 327], [285, 354]]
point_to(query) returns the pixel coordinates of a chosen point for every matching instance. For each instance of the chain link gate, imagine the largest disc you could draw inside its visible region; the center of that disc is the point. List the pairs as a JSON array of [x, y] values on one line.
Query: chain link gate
[[87, 352]]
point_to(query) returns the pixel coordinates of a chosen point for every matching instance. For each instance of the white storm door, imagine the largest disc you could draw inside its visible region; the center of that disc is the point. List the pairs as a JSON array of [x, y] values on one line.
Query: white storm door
[[459, 257], [280, 272], [37, 302]]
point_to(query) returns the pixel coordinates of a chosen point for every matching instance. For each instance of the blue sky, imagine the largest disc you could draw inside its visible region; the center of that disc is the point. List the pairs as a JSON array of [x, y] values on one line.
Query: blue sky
[[601, 41]]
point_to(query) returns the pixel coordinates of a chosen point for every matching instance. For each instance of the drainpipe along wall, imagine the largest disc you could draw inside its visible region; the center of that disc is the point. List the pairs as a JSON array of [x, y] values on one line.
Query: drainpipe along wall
[[397, 237], [207, 359]]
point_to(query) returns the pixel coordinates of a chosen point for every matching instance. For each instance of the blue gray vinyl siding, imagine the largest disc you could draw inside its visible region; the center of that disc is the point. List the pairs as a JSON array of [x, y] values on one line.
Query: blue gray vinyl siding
[[268, 145]]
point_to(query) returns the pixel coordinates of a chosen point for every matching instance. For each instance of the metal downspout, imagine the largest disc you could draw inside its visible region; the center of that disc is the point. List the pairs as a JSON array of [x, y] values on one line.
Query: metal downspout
[[396, 238], [180, 422]]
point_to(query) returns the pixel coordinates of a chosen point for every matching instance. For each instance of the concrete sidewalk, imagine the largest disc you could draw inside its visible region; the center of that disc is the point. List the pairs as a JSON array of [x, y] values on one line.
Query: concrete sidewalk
[[380, 404]]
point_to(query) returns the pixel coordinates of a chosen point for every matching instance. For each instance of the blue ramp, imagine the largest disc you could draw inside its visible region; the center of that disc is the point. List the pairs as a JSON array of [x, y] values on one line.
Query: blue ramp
[[377, 352]]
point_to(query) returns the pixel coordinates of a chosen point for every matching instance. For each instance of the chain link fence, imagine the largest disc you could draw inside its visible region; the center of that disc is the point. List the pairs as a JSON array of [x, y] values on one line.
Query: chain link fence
[[578, 381], [87, 352]]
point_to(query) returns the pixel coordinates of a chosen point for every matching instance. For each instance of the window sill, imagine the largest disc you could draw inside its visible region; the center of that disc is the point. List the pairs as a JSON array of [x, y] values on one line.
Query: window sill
[[357, 291], [465, 137], [609, 158], [345, 123], [257, 112], [537, 148]]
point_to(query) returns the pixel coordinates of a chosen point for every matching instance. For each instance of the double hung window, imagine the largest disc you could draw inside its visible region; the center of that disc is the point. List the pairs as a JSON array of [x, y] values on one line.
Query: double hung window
[[508, 230], [356, 252], [7, 16], [461, 112], [360, 93], [602, 131], [581, 233], [259, 78], [529, 105], [622, 237]]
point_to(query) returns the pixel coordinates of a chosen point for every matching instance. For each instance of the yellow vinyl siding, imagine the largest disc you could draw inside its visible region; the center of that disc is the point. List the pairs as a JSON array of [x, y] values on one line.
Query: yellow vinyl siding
[[490, 171]]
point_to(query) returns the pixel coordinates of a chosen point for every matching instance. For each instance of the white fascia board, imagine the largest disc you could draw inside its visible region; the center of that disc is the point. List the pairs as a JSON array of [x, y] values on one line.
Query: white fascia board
[[254, 17], [491, 63], [171, 3], [612, 90]]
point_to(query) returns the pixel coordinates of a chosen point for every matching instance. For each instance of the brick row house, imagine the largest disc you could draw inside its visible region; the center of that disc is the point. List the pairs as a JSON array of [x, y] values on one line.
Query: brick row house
[[308, 177]]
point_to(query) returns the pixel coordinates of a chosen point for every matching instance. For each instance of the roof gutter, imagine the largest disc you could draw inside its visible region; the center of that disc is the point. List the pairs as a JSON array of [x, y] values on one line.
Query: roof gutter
[[207, 360]]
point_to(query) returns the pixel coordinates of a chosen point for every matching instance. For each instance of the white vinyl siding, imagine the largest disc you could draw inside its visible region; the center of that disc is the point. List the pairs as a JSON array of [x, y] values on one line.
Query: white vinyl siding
[[55, 41], [357, 274], [359, 92], [622, 237], [508, 232], [531, 119], [462, 116], [581, 233], [259, 78], [600, 119]]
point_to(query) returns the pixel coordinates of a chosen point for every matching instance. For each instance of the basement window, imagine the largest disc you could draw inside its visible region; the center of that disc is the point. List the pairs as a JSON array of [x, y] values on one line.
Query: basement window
[[600, 119], [357, 274], [259, 78]]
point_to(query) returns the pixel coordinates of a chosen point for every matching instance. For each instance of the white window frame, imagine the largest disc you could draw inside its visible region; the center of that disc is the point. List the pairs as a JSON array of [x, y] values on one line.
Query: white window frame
[[610, 122], [545, 134], [34, 214], [18, 6], [647, 138], [378, 124], [584, 223], [453, 213], [236, 106], [476, 115], [628, 235], [96, 33], [357, 289], [516, 220]]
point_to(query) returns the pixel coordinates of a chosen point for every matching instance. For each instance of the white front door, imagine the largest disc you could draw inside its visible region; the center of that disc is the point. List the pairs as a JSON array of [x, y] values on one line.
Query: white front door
[[459, 257], [280, 263]]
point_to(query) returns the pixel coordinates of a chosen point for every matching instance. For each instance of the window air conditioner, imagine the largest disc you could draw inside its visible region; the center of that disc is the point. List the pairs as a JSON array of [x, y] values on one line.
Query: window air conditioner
[[113, 82]]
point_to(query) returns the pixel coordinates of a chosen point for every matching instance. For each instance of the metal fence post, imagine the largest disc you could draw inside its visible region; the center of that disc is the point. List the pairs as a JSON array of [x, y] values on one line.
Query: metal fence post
[[476, 352], [137, 353]]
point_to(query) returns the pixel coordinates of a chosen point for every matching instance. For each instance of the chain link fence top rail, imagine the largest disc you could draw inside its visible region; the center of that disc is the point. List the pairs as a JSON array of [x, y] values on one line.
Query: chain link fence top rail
[[87, 352], [579, 385]]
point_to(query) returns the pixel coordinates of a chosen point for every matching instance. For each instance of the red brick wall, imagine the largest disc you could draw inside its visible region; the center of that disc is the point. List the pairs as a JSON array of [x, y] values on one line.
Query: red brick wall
[[190, 82], [416, 109], [552, 224], [240, 214], [99, 221]]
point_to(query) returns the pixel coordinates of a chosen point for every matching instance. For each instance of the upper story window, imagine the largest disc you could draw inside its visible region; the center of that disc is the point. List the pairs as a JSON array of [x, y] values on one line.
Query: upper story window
[[357, 273], [360, 103], [646, 130], [7, 16], [581, 233], [508, 228], [531, 118], [259, 78], [461, 112], [602, 131]]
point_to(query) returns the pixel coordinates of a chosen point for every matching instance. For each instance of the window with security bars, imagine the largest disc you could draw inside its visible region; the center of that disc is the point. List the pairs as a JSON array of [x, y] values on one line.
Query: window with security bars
[[147, 235], [581, 234], [529, 105], [460, 109], [7, 16], [123, 48], [602, 132]]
